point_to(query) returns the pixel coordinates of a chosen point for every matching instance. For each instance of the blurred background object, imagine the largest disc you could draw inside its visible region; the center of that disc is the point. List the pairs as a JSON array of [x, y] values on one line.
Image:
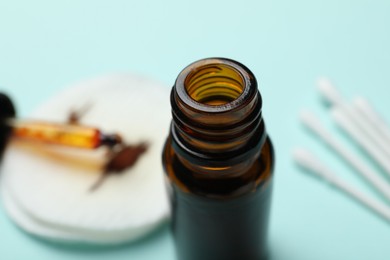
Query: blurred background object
[[103, 196], [45, 45]]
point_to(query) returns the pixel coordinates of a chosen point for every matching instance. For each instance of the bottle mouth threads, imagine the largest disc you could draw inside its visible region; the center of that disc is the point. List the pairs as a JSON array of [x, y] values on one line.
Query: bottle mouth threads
[[215, 85], [216, 109]]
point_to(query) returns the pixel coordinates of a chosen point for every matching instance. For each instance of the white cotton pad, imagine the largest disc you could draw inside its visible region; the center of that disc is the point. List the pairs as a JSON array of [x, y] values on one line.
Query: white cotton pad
[[67, 235], [49, 185]]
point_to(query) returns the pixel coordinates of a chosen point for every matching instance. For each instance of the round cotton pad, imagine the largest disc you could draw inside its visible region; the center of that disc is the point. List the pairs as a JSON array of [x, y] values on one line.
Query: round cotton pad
[[67, 235], [51, 185]]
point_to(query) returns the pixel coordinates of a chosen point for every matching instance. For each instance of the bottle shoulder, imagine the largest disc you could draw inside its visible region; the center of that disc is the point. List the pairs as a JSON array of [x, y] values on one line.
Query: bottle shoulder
[[224, 183]]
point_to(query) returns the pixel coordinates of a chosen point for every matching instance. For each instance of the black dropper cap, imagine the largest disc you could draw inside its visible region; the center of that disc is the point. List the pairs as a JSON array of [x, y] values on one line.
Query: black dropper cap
[[7, 110]]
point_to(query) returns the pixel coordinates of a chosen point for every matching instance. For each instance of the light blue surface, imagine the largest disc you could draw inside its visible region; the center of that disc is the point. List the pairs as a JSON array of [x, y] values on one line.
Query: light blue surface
[[45, 45]]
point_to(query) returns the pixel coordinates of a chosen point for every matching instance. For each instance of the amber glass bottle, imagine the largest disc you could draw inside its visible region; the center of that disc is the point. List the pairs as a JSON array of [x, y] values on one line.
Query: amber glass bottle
[[219, 162]]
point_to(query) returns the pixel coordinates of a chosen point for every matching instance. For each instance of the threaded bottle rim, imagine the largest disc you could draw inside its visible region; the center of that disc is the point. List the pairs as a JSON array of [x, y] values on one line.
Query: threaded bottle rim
[[192, 89], [216, 110]]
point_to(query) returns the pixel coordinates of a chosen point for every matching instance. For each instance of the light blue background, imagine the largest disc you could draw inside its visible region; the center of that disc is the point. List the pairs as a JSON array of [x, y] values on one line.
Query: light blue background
[[45, 45]]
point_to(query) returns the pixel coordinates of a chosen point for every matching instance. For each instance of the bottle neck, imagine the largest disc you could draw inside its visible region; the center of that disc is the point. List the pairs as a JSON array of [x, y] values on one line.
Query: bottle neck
[[217, 124]]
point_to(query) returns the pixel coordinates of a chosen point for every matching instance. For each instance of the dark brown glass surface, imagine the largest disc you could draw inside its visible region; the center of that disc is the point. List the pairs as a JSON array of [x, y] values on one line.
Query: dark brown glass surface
[[219, 163], [220, 219]]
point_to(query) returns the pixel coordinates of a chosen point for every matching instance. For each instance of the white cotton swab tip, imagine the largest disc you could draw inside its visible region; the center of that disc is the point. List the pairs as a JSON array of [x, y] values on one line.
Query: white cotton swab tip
[[366, 108], [311, 121], [304, 158], [307, 160], [329, 92]]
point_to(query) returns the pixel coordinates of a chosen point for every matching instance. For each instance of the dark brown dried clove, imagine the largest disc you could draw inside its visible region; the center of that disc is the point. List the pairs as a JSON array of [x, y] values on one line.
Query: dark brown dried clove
[[122, 158]]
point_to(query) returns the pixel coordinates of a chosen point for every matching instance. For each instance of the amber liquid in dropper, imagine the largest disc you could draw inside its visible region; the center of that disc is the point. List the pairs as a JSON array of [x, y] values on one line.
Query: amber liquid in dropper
[[220, 207], [120, 156], [72, 135]]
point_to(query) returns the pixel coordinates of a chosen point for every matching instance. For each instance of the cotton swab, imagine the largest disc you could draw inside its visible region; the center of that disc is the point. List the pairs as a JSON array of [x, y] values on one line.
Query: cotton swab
[[311, 122], [373, 117], [307, 160], [331, 94], [340, 115]]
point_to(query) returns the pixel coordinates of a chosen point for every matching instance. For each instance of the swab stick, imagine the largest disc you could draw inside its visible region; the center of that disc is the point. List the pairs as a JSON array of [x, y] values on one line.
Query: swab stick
[[311, 122], [307, 160], [340, 115], [373, 117], [370, 131]]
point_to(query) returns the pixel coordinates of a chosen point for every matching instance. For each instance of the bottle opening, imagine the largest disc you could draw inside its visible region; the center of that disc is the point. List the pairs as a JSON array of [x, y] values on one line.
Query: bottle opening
[[214, 84], [215, 92], [216, 109]]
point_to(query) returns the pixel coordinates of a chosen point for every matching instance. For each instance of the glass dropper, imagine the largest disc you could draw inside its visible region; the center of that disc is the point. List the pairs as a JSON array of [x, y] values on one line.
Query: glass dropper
[[72, 135]]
